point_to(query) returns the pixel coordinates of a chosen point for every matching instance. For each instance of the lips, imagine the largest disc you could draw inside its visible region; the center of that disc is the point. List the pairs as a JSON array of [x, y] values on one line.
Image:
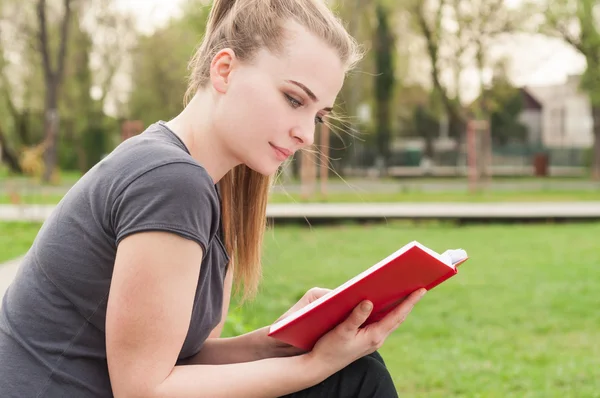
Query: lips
[[280, 152]]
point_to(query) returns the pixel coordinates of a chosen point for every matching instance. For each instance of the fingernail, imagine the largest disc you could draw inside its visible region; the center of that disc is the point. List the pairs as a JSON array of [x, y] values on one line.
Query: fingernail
[[366, 307], [423, 291]]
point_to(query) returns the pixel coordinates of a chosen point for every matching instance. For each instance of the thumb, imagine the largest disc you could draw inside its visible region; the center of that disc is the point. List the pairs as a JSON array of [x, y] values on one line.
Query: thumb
[[359, 315]]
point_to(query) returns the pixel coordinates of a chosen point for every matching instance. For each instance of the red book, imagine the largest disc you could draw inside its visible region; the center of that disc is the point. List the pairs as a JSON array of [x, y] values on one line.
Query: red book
[[385, 284]]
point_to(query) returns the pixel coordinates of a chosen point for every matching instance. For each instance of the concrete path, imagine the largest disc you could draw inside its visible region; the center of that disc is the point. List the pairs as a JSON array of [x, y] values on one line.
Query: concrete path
[[437, 210], [7, 273], [25, 212], [356, 211]]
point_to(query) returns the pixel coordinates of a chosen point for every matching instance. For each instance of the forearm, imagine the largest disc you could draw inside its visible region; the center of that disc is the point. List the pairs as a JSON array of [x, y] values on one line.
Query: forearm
[[271, 377], [220, 351]]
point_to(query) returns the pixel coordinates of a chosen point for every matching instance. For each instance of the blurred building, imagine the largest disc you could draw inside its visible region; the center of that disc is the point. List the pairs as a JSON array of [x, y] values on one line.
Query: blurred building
[[558, 116]]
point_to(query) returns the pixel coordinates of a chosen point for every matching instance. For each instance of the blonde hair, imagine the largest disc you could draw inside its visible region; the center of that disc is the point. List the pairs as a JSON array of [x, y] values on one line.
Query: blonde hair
[[246, 26]]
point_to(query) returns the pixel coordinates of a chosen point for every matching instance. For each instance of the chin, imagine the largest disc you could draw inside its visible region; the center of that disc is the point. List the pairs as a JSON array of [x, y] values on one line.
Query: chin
[[266, 169]]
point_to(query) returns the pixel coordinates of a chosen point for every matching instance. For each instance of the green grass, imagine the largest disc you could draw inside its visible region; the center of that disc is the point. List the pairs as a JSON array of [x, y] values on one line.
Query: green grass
[[40, 198], [16, 238], [521, 319], [65, 177]]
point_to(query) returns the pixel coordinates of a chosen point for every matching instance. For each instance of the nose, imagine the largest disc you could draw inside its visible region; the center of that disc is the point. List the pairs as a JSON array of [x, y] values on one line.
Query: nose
[[303, 136]]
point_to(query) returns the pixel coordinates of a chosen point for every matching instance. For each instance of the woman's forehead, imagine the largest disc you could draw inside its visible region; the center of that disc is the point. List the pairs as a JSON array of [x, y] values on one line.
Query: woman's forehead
[[309, 60]]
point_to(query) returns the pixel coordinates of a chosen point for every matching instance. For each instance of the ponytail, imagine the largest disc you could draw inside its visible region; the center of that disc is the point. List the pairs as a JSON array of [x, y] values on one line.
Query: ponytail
[[219, 11], [245, 193]]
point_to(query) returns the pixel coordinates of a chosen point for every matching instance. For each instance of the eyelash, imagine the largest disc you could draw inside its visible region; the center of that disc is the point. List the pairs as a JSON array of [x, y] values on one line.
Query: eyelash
[[294, 103]]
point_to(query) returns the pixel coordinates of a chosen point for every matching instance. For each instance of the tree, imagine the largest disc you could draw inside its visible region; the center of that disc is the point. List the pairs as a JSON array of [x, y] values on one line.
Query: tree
[[100, 39], [95, 44], [428, 18], [384, 81], [53, 78], [160, 63], [459, 33], [504, 104], [76, 106], [426, 125], [20, 78], [577, 22]]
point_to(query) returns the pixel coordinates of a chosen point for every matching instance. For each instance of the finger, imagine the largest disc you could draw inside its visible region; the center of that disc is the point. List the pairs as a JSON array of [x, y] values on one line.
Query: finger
[[399, 314], [316, 293], [358, 316]]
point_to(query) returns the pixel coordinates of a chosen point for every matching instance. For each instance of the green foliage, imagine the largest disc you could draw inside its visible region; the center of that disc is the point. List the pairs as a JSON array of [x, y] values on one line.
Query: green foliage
[[160, 66], [95, 145], [384, 79], [503, 104], [577, 22], [384, 55], [427, 125], [505, 126], [589, 20]]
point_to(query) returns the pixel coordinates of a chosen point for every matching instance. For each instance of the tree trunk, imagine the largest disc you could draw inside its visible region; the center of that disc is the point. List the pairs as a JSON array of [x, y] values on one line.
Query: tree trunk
[[8, 155], [596, 150], [23, 127], [53, 79], [383, 136], [50, 132]]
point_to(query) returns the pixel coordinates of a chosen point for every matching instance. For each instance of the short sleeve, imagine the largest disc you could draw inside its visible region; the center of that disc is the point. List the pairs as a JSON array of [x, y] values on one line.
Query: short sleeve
[[175, 197]]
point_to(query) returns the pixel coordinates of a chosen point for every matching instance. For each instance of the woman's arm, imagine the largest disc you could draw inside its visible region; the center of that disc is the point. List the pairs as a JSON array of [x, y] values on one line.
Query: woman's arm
[[148, 314], [248, 347], [254, 345]]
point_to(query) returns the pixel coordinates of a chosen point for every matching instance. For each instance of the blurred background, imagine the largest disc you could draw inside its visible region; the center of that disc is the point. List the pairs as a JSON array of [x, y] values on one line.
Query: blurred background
[[108, 68], [461, 111]]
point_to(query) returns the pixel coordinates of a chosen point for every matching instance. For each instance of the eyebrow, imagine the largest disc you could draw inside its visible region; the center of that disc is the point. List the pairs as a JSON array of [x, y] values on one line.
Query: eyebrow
[[308, 92]]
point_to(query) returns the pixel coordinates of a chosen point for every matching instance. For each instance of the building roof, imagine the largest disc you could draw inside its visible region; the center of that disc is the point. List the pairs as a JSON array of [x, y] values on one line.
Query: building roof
[[529, 100]]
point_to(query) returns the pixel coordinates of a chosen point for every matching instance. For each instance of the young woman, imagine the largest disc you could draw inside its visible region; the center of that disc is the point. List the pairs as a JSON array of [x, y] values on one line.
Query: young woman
[[126, 287]]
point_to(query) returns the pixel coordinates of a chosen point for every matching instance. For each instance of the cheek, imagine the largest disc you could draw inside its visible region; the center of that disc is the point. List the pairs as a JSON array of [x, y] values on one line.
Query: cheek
[[255, 111]]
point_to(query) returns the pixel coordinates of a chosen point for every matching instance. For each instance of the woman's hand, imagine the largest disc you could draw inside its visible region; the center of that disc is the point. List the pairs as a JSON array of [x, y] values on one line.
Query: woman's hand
[[313, 294], [348, 342], [272, 348]]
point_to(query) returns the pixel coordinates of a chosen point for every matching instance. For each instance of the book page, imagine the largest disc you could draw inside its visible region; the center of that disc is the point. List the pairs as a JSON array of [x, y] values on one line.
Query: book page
[[454, 256]]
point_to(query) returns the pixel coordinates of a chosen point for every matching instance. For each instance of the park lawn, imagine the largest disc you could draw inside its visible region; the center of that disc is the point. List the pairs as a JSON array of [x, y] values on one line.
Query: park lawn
[[520, 319], [16, 238], [40, 198]]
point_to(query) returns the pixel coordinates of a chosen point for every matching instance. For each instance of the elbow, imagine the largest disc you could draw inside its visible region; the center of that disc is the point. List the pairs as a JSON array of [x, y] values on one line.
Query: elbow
[[132, 392], [135, 389]]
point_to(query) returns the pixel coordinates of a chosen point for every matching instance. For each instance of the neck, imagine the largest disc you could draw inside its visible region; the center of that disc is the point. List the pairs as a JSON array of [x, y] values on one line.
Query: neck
[[195, 126]]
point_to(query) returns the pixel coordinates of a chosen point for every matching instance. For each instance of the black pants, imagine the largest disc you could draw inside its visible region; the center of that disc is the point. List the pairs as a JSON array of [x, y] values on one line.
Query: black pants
[[367, 377]]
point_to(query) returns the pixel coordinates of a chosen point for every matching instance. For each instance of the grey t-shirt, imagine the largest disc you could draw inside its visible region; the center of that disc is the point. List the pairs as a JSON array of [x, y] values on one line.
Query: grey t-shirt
[[52, 319]]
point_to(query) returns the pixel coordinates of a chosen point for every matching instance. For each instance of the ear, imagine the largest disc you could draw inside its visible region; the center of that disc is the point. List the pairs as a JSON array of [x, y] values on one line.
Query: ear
[[220, 69]]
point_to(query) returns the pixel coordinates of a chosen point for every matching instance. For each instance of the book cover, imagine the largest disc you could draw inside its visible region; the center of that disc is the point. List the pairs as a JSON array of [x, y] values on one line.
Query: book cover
[[385, 284]]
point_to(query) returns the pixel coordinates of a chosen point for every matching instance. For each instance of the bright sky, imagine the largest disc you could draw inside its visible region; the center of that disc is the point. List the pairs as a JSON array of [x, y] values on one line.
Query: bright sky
[[536, 62], [150, 13]]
